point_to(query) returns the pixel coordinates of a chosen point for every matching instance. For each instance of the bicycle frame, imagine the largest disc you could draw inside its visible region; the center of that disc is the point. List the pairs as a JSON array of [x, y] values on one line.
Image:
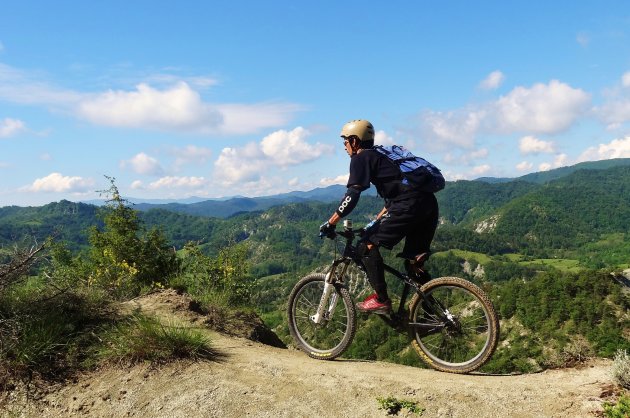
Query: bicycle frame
[[335, 277]]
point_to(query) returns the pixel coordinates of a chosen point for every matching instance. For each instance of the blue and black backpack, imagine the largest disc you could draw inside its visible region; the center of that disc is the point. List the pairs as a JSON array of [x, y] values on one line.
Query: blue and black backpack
[[416, 172]]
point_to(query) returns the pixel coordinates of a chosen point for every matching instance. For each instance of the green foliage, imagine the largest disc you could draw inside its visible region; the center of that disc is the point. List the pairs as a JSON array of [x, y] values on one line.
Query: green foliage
[[144, 338], [222, 280], [619, 410], [45, 331], [123, 261], [393, 406]]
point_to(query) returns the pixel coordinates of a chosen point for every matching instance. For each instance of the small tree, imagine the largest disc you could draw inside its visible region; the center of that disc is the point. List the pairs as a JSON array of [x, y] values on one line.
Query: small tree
[[124, 261]]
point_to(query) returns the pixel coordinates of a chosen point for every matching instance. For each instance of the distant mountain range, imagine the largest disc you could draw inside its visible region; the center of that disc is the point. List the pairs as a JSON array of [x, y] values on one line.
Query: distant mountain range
[[231, 206], [235, 205], [543, 177], [226, 207]]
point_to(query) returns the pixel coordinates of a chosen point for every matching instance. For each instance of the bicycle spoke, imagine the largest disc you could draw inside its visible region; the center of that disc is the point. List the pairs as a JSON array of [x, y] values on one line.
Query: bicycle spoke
[[464, 325]]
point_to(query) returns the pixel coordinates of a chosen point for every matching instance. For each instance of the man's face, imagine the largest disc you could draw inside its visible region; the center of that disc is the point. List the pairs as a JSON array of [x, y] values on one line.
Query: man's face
[[347, 142]]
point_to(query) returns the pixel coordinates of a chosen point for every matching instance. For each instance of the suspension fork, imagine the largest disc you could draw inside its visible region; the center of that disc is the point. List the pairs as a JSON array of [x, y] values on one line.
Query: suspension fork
[[329, 299]]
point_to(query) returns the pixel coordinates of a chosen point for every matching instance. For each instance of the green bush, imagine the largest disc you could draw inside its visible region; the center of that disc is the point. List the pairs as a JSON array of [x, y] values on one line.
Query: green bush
[[619, 410], [223, 280]]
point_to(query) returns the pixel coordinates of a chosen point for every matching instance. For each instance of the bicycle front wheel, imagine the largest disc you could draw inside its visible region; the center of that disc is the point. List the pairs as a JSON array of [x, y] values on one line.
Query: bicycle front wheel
[[455, 325], [327, 337]]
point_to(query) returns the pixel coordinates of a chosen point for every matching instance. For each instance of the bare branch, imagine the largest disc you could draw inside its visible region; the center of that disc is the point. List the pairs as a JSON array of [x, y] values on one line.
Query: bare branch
[[19, 264]]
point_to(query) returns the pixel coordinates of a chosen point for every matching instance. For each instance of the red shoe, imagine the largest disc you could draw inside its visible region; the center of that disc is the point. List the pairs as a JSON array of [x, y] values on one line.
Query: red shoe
[[371, 304]]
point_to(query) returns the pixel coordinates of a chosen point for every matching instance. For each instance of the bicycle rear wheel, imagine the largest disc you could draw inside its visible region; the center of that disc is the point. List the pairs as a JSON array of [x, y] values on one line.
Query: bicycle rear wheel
[[333, 335], [455, 326]]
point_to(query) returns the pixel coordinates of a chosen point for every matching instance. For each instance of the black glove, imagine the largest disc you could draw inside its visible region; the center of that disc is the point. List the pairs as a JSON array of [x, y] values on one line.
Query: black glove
[[327, 230]]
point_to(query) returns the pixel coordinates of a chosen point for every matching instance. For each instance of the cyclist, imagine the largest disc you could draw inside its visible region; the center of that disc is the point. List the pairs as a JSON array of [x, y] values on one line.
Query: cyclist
[[408, 213]]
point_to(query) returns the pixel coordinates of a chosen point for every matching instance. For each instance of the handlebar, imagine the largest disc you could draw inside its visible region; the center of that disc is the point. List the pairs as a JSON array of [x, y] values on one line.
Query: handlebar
[[348, 232]]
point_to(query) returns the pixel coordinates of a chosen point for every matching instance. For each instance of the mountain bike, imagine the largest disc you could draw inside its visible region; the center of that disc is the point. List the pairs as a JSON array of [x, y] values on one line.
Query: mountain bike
[[452, 323]]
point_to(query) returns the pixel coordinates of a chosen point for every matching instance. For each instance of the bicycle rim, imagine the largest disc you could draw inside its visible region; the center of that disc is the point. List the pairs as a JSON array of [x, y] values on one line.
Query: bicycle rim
[[334, 334], [458, 327]]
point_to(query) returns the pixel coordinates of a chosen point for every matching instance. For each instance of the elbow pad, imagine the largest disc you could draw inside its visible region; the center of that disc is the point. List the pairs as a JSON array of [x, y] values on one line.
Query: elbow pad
[[348, 202]]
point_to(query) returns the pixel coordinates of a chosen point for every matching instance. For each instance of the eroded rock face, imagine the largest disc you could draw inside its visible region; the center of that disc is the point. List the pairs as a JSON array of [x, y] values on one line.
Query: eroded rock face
[[487, 225]]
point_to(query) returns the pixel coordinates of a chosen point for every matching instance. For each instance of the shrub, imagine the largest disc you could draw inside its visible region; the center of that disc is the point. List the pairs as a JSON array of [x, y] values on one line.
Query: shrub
[[143, 338], [223, 281], [619, 410], [621, 368], [577, 351]]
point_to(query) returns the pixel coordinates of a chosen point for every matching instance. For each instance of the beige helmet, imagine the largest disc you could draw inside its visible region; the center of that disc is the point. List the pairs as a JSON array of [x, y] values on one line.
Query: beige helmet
[[360, 128]]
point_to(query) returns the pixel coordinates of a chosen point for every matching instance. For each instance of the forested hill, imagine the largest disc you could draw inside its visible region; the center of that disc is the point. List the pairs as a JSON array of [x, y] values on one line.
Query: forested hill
[[579, 209]]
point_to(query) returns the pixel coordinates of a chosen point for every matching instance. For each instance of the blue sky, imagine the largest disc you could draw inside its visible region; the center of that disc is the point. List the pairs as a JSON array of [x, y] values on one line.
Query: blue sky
[[222, 98]]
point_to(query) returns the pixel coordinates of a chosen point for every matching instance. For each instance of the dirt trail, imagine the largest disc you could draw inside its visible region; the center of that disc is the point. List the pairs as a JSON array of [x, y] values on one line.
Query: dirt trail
[[252, 379]]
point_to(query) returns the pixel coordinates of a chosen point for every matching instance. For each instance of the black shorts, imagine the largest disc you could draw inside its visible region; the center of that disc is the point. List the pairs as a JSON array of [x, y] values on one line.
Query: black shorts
[[415, 219]]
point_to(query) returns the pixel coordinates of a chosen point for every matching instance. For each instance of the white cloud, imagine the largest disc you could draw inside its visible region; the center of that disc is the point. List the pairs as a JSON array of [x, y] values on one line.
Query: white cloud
[[191, 154], [137, 185], [340, 179], [481, 169], [543, 108], [285, 148], [625, 79], [179, 107], [492, 81], [455, 128], [10, 127], [524, 166], [293, 182], [381, 138], [243, 164], [617, 148], [279, 149], [176, 107], [615, 112], [143, 164], [561, 160], [250, 118], [178, 183], [480, 153], [532, 145], [56, 182]]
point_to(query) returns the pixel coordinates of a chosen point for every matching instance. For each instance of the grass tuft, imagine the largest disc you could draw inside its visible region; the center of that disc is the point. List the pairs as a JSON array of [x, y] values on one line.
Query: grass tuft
[[393, 406], [144, 338]]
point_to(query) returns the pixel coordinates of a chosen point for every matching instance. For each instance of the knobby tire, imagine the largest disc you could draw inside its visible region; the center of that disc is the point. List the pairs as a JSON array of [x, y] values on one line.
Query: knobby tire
[[315, 339], [478, 311]]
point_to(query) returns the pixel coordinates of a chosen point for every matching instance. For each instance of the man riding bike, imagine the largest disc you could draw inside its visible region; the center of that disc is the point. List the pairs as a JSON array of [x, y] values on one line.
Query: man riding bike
[[408, 212]]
